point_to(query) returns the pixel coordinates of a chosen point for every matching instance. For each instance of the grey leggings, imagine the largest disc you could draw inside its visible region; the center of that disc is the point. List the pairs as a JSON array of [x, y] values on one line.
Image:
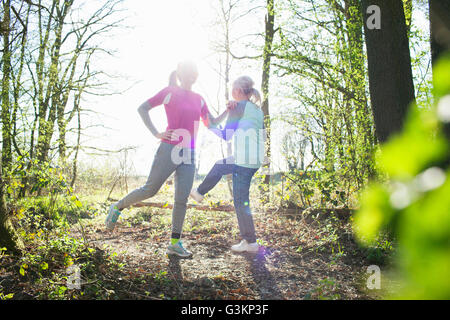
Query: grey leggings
[[168, 159]]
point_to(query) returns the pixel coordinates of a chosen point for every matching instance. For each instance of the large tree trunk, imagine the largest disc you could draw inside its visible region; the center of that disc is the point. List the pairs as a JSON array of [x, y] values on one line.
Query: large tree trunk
[[390, 74], [440, 40], [440, 28], [9, 238]]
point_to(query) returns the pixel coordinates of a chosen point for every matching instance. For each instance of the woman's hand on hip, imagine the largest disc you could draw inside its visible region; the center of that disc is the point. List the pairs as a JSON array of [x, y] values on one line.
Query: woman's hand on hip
[[168, 135]]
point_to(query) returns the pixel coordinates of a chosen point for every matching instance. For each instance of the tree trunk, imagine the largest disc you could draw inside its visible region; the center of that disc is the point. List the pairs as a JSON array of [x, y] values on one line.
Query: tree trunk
[[226, 16], [267, 55], [53, 97], [363, 142], [6, 69], [390, 74], [440, 40], [9, 238], [408, 4], [440, 28], [77, 149]]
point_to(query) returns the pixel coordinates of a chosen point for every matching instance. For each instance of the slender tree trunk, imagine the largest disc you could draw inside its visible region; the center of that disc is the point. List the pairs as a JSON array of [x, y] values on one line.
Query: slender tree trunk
[[267, 55], [77, 149], [390, 74], [8, 236], [227, 94], [42, 102], [6, 69], [53, 97], [226, 15], [363, 142], [17, 83]]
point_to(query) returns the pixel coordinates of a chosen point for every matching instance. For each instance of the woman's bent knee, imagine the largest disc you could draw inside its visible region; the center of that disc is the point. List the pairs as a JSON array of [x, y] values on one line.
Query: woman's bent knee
[[148, 191]]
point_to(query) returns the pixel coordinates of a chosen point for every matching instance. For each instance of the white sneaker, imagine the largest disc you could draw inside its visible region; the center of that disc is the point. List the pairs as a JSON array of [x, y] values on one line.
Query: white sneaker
[[197, 196], [244, 246]]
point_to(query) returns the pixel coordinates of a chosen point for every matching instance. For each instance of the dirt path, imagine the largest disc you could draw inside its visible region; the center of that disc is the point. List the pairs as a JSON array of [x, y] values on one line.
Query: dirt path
[[299, 259]]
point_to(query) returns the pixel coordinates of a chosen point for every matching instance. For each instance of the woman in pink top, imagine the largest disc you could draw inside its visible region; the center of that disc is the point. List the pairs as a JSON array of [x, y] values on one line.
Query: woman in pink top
[[184, 109]]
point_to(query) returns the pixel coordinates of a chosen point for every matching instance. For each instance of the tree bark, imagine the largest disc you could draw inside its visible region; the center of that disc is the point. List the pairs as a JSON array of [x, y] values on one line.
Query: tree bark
[[8, 236], [267, 55], [226, 12], [389, 61], [440, 42], [440, 28], [53, 94], [363, 141], [408, 4], [6, 70]]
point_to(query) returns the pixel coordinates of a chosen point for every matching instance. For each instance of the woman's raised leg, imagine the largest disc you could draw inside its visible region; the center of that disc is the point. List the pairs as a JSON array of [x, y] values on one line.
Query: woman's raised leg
[[221, 168]]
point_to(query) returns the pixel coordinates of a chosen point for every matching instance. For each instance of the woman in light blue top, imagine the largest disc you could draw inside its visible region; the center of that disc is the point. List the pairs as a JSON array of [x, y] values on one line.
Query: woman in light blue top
[[245, 125]]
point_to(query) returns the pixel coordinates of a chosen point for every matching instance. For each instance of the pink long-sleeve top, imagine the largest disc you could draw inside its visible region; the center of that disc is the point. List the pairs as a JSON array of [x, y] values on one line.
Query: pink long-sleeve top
[[184, 109]]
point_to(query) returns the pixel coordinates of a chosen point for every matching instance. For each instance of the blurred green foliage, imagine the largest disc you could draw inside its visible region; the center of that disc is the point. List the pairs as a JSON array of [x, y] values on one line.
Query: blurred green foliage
[[415, 202]]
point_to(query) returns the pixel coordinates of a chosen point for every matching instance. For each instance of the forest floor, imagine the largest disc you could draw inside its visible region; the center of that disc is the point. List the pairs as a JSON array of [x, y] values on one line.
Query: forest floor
[[305, 256], [295, 260]]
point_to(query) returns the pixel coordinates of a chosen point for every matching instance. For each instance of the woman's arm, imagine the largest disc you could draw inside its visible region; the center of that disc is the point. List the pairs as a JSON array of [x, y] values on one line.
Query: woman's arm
[[215, 121], [235, 113], [143, 111]]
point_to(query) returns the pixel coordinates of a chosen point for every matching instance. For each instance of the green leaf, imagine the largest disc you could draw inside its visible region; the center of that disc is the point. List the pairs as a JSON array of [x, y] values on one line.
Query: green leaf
[[409, 153], [440, 75], [375, 213]]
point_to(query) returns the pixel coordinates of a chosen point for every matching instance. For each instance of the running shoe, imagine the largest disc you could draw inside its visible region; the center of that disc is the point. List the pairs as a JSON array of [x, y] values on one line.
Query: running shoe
[[179, 250]]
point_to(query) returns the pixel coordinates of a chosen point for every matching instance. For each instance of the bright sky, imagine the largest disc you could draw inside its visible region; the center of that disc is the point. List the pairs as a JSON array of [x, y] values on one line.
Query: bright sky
[[162, 33]]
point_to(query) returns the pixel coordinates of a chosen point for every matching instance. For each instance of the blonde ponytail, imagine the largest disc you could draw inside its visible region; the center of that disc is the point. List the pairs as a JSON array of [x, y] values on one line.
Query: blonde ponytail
[[173, 79], [256, 96], [245, 83]]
